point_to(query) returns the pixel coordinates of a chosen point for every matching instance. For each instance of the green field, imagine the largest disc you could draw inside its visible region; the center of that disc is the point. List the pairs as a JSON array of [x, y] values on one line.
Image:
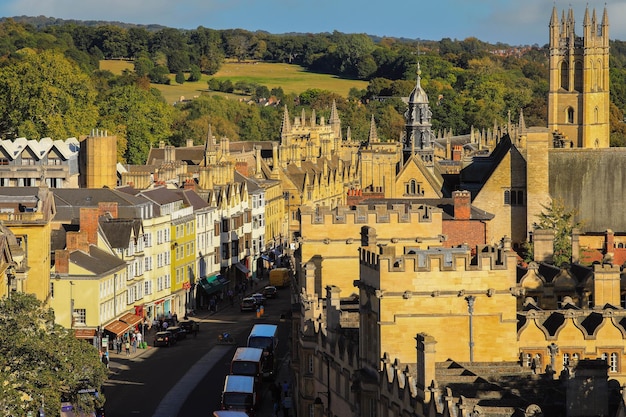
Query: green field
[[292, 79]]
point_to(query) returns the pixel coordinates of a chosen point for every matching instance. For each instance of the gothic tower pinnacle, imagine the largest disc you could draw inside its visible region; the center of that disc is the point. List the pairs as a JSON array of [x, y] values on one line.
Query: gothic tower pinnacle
[[418, 136], [578, 99]]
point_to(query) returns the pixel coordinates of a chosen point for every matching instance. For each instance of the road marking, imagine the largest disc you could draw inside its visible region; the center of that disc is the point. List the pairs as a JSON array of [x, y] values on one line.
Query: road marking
[[171, 404]]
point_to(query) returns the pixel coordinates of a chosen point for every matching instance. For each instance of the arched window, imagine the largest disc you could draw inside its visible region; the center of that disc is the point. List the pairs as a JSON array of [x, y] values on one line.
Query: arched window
[[578, 76], [613, 365], [507, 197], [413, 186], [599, 76], [570, 115], [564, 76], [565, 359]]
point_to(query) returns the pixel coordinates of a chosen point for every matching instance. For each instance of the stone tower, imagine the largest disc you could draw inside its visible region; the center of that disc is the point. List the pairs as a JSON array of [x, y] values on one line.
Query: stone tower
[[578, 100], [418, 136], [98, 160]]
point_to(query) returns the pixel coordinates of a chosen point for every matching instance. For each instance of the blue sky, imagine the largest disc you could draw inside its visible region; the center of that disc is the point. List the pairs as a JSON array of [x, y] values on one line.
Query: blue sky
[[510, 21]]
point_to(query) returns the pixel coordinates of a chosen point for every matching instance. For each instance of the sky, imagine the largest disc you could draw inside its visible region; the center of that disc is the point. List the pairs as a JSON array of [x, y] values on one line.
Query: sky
[[513, 22]]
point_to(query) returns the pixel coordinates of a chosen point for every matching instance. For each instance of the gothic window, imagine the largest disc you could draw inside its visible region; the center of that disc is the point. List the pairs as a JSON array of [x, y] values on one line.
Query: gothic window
[[570, 115], [507, 197], [599, 77], [413, 188], [514, 197], [564, 76], [578, 76]]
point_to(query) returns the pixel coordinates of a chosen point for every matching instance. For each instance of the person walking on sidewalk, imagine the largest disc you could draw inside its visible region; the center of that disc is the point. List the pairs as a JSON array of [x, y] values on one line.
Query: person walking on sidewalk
[[127, 347]]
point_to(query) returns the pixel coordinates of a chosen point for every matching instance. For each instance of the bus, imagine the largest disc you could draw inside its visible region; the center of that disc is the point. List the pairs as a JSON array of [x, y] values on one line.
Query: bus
[[239, 394], [265, 336], [248, 361]]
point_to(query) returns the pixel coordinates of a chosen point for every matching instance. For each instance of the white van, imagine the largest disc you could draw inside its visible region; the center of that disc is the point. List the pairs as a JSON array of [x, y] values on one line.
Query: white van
[[239, 394]]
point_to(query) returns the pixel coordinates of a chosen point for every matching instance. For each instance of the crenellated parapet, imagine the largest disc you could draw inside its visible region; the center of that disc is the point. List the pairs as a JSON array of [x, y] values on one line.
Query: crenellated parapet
[[371, 214], [386, 258]]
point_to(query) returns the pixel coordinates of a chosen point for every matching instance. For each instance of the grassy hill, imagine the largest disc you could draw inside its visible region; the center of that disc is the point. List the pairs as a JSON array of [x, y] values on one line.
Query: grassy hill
[[292, 79]]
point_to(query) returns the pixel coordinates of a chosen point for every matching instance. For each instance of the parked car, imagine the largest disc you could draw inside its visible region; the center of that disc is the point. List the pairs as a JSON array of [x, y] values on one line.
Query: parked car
[[165, 338], [248, 304], [190, 326], [260, 299], [270, 291], [178, 332]]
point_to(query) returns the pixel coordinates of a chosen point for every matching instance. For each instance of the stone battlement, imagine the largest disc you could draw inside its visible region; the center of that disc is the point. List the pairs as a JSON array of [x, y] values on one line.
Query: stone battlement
[[364, 214]]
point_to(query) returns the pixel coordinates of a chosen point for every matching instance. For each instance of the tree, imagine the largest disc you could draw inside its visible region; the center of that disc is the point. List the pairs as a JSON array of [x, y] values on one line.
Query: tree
[[142, 118], [180, 77], [45, 95], [195, 74], [562, 220], [41, 361]]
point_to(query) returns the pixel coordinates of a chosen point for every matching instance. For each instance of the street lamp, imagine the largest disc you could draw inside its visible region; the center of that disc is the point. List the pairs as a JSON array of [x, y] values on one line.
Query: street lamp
[[71, 306]]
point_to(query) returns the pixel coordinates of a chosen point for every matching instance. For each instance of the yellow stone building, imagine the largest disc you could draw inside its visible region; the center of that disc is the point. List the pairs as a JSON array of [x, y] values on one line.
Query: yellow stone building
[[28, 213]]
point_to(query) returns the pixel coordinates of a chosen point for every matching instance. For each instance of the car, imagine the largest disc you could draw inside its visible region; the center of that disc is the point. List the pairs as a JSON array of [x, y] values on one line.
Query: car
[[270, 291], [165, 338], [190, 326], [248, 304], [178, 332], [260, 299]]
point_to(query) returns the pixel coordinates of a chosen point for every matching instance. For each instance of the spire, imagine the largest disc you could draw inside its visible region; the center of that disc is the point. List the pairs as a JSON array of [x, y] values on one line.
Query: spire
[[303, 118], [348, 134], [522, 122], [586, 21], [334, 120], [373, 136], [209, 147], [285, 128], [554, 19], [605, 18], [313, 118]]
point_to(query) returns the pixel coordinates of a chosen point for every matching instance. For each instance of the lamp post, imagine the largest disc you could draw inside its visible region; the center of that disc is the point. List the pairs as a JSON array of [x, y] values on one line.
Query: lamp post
[[470, 309], [71, 305]]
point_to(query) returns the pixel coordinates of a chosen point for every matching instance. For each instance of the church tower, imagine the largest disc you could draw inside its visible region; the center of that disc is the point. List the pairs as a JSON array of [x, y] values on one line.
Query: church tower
[[418, 136], [578, 100]]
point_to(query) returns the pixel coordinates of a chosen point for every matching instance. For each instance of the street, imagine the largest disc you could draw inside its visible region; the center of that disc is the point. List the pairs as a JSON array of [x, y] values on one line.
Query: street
[[187, 379]]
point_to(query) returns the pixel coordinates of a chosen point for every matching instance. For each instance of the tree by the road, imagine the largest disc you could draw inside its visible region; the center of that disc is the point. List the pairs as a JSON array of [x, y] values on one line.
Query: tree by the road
[[41, 361]]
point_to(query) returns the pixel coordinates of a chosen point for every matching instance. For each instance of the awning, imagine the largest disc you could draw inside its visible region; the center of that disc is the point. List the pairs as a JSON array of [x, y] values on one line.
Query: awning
[[211, 284], [131, 319], [242, 268], [117, 327], [84, 333]]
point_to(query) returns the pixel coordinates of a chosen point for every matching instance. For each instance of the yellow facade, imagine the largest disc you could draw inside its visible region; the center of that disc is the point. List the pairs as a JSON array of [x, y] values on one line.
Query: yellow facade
[[274, 209], [183, 255], [98, 153], [332, 238], [430, 292]]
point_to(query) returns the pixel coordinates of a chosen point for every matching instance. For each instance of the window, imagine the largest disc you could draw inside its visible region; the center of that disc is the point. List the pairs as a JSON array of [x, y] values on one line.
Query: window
[[612, 361], [570, 115], [514, 197], [80, 316], [528, 360], [310, 364]]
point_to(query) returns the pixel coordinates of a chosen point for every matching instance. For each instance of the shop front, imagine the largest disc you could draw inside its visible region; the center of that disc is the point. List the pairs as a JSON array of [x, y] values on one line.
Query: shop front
[[208, 287]]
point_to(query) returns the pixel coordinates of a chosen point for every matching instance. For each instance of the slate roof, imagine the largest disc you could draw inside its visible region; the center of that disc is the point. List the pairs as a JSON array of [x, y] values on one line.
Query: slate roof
[[161, 195], [97, 261], [68, 202], [190, 197], [118, 232]]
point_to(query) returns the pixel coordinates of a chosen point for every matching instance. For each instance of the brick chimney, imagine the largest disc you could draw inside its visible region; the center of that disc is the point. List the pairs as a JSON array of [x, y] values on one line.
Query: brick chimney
[[462, 205], [111, 208], [457, 153], [76, 241], [242, 168], [62, 261], [89, 223]]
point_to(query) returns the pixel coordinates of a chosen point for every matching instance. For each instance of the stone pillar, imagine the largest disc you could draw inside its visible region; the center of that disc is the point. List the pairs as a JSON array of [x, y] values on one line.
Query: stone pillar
[[425, 364], [606, 285], [543, 245]]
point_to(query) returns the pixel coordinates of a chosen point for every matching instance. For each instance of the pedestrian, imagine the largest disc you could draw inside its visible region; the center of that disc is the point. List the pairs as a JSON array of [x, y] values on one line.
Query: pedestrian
[[105, 359], [134, 343], [139, 338], [175, 318], [118, 345], [285, 388], [231, 296], [212, 304], [165, 325], [127, 347]]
